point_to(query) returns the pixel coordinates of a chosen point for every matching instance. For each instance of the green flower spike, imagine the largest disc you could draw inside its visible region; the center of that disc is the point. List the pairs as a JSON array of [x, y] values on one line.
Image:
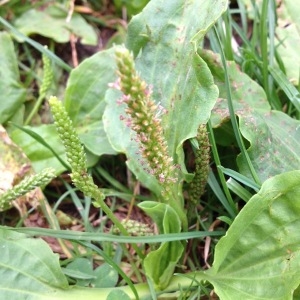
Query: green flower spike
[[197, 186], [135, 228], [46, 84], [26, 185], [77, 160], [47, 77], [143, 119], [74, 151]]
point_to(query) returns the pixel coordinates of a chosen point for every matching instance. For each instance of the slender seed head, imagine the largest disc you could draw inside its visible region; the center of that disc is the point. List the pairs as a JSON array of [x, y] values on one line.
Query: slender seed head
[[47, 77], [202, 157], [26, 185], [144, 116], [74, 150]]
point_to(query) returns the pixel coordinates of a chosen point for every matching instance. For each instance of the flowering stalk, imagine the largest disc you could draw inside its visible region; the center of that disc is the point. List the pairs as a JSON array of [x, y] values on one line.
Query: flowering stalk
[[135, 228], [77, 160], [46, 84], [47, 77], [143, 118], [74, 151], [197, 186], [26, 185]]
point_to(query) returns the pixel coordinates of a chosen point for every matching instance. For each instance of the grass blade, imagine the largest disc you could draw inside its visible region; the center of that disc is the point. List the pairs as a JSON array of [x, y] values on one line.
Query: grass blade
[[234, 122], [289, 89], [36, 45], [104, 237], [38, 138]]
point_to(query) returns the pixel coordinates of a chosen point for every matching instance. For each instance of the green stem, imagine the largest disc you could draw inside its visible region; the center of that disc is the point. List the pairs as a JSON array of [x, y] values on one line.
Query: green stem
[[97, 195], [35, 109], [177, 283]]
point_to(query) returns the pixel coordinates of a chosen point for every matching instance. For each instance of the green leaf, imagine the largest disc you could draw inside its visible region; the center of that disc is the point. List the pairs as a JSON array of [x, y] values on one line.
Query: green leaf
[[136, 4], [132, 6], [52, 23], [275, 143], [160, 264], [105, 237], [274, 136], [120, 137], [40, 156], [289, 89], [163, 215], [247, 95], [80, 269], [106, 276], [43, 142], [77, 274], [117, 295], [19, 35], [288, 34], [28, 268], [84, 99], [11, 91], [259, 257], [164, 35]]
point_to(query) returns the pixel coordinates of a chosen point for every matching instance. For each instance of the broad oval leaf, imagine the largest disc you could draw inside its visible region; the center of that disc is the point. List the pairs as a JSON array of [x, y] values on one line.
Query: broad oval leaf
[[11, 91], [163, 37], [40, 156], [80, 269], [259, 257], [274, 136], [84, 99], [275, 143], [288, 34], [28, 268], [106, 276], [53, 23]]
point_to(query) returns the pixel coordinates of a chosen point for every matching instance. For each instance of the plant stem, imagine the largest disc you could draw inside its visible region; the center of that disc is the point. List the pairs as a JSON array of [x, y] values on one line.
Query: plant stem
[[177, 283]]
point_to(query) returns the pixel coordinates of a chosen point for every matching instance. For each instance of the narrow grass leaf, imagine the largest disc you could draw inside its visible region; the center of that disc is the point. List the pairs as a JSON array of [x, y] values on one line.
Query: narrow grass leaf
[[233, 119], [36, 45], [214, 185], [241, 178], [238, 189], [104, 237], [42, 141], [289, 89]]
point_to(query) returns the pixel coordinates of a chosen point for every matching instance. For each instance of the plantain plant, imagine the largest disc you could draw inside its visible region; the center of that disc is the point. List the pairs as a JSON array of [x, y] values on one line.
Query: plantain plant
[[147, 100]]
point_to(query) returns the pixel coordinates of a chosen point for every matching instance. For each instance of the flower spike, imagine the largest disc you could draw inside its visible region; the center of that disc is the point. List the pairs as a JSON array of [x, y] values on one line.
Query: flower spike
[[144, 119]]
